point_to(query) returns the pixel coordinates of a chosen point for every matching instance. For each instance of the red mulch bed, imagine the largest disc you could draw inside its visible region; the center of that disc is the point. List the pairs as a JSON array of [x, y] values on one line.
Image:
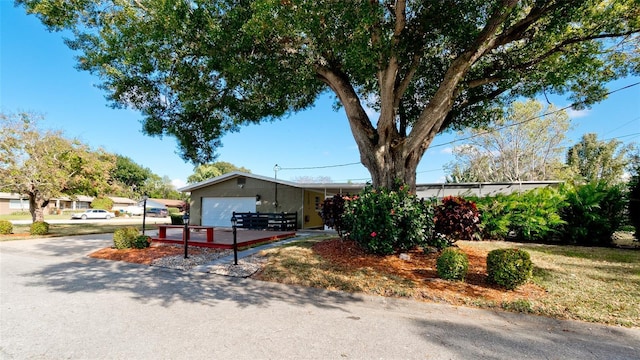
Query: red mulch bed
[[142, 256], [421, 269]]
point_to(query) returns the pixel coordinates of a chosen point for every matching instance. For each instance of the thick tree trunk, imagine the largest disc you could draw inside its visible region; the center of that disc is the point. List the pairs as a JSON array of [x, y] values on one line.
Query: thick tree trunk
[[36, 206], [392, 167]]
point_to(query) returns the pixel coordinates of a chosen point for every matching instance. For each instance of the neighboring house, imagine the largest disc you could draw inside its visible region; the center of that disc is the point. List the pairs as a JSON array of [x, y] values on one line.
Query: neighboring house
[[180, 204], [152, 204], [439, 191], [213, 201], [11, 203]]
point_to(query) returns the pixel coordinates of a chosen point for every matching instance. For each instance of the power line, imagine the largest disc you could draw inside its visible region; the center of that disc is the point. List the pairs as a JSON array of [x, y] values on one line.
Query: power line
[[476, 135], [320, 167], [526, 120]]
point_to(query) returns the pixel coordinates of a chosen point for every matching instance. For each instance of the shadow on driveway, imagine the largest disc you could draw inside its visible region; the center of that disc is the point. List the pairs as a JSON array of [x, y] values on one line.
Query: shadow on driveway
[[165, 286]]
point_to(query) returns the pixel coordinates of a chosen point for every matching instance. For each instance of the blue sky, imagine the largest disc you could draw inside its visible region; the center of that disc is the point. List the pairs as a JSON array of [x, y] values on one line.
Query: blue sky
[[37, 74]]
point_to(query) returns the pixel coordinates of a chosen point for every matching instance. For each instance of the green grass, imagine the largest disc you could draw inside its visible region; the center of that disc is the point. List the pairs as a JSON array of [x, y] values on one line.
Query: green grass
[[600, 285], [81, 228]]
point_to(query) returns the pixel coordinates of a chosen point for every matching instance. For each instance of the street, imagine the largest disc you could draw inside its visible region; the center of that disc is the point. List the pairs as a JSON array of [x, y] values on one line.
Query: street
[[55, 302]]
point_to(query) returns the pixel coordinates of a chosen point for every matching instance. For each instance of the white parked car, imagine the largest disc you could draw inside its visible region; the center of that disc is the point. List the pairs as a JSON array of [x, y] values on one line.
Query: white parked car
[[94, 214]]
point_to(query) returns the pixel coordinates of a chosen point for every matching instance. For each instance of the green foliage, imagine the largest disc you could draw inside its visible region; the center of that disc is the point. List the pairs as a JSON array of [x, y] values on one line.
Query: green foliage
[[6, 227], [525, 145], [384, 221], [208, 171], [457, 218], [42, 164], [593, 213], [452, 264], [593, 160], [509, 267], [495, 214], [140, 242], [176, 219], [39, 228], [130, 177], [102, 202], [124, 238], [530, 216], [156, 187], [173, 210], [191, 70]]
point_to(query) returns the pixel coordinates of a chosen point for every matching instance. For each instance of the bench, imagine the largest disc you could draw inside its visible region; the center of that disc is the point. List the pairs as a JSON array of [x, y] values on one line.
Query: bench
[[162, 230]]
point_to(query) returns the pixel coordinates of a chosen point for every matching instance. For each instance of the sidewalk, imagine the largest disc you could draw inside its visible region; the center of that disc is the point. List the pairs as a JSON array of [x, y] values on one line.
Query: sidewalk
[[225, 265]]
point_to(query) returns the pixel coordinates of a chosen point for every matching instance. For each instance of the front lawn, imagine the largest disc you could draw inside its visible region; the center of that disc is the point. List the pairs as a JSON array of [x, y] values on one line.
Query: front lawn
[[570, 282], [21, 232]]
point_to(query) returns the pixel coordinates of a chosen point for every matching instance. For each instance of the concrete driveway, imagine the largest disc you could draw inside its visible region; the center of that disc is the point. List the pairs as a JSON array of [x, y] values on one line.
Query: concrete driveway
[[57, 303]]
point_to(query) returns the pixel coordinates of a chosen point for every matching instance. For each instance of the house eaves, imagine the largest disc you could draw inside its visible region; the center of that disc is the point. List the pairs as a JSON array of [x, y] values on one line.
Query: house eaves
[[233, 175], [306, 186]]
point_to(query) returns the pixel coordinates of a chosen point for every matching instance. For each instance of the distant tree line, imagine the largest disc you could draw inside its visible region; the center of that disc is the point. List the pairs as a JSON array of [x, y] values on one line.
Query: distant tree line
[[43, 164]]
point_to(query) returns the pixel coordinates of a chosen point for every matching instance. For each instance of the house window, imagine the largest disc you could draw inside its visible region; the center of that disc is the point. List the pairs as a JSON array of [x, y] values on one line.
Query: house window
[[20, 204], [318, 205]]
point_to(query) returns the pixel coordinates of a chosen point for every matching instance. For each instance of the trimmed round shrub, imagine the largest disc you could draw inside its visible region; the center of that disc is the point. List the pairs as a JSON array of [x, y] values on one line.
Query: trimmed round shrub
[[176, 219], [141, 242], [6, 227], [509, 268], [123, 238], [39, 228], [452, 264]]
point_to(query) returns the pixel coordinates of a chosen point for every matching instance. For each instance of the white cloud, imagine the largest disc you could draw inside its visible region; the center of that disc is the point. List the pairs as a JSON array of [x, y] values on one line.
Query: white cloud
[[447, 150], [574, 114]]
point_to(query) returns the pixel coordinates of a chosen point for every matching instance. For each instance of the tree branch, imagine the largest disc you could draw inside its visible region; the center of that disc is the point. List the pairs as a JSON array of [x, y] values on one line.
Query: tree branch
[[433, 115], [358, 118], [560, 47]]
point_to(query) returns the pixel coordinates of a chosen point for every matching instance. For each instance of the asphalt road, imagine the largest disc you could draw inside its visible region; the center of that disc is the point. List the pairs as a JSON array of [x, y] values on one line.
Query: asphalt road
[[57, 303]]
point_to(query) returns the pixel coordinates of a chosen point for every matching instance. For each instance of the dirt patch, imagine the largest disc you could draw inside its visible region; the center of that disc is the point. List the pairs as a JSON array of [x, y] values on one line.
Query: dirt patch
[[420, 268], [142, 256]]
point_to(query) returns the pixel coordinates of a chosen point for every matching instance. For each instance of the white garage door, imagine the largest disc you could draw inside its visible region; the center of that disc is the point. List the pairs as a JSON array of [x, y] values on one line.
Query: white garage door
[[217, 211]]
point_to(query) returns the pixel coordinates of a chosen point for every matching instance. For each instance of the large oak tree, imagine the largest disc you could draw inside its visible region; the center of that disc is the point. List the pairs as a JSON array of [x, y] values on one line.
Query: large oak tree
[[42, 164], [198, 69]]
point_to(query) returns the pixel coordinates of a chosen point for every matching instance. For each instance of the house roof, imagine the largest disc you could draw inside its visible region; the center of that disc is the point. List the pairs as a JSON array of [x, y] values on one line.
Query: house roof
[[169, 202], [423, 190], [84, 198], [308, 186]]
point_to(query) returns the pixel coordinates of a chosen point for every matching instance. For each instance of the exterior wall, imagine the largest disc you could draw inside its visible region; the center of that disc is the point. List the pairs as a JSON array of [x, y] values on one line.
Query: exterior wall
[[478, 189], [5, 204], [4, 207], [289, 198]]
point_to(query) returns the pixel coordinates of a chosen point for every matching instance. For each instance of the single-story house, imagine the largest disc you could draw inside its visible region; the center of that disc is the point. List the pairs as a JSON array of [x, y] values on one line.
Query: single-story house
[[479, 189], [11, 202], [213, 201], [180, 204]]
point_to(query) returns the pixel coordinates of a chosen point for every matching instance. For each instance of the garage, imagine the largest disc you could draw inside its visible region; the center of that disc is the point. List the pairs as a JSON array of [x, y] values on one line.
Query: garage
[[217, 211]]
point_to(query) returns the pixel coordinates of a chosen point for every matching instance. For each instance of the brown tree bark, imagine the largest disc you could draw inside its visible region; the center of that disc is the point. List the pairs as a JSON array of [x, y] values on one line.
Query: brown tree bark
[[36, 206]]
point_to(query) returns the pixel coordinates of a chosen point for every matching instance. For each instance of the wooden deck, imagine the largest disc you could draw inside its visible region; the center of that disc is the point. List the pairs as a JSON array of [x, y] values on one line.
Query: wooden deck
[[222, 237]]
